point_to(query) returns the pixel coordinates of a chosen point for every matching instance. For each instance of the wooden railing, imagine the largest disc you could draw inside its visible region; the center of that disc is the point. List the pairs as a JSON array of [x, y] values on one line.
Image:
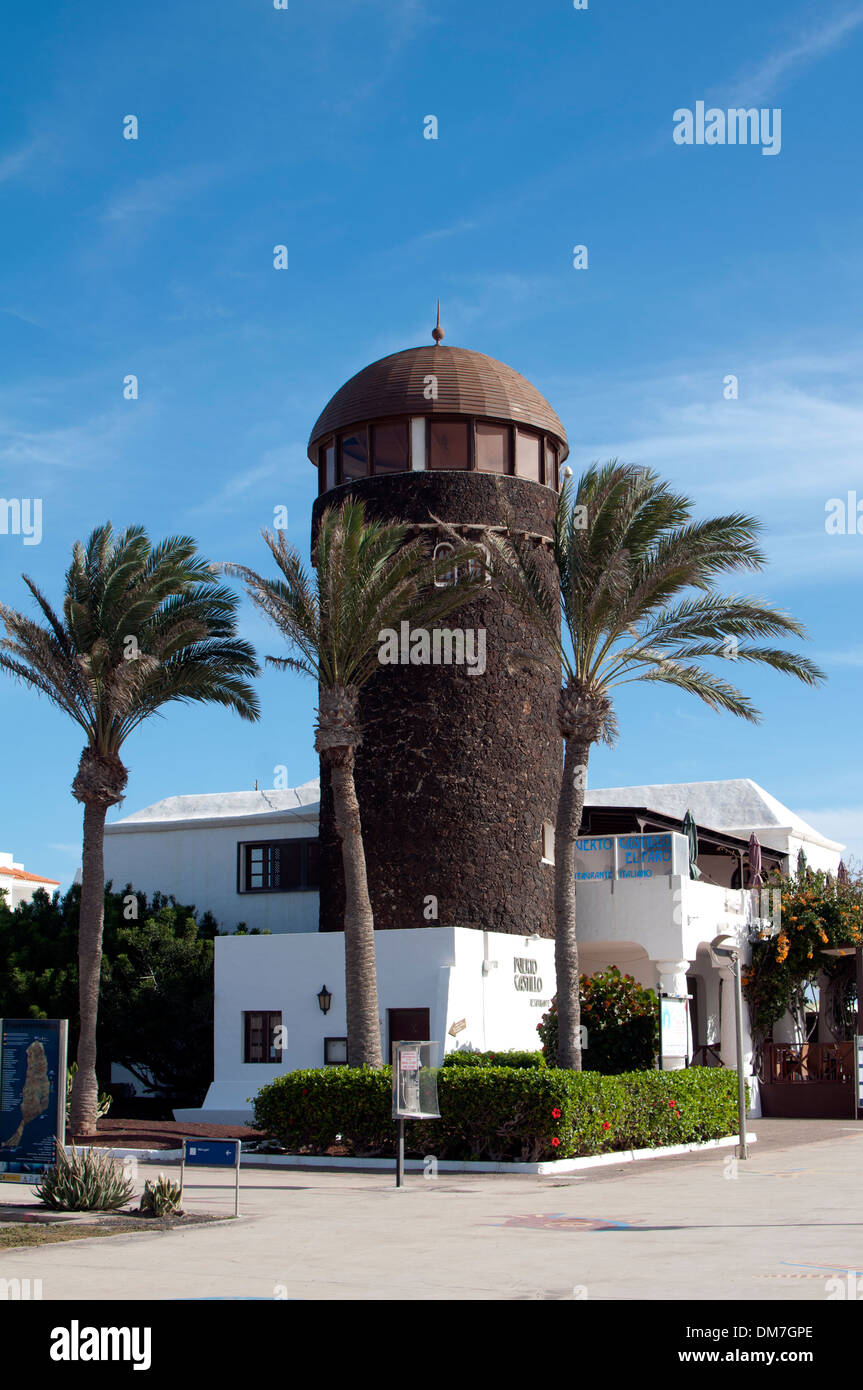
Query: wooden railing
[[807, 1062]]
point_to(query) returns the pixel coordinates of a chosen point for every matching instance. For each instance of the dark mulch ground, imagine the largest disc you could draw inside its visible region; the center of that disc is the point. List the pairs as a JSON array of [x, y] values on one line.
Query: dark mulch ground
[[161, 1134]]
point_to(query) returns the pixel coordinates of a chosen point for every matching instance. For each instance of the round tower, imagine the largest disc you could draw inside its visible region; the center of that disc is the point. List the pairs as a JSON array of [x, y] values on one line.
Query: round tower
[[459, 770]]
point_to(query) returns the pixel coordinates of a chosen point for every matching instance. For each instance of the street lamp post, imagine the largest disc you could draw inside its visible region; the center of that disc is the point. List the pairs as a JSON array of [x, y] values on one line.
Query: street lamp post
[[724, 950]]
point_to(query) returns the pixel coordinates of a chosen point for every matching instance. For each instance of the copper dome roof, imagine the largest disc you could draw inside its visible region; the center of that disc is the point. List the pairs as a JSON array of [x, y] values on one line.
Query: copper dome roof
[[469, 383]]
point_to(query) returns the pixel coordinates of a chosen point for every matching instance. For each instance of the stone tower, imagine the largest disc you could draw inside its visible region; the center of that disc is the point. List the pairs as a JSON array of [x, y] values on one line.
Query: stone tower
[[458, 774]]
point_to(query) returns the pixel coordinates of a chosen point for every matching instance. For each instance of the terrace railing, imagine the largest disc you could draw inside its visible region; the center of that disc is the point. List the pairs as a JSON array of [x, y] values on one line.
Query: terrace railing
[[801, 1063]]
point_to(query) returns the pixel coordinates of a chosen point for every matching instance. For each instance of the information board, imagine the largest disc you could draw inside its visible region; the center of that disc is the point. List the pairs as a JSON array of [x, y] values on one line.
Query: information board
[[32, 1089], [415, 1081], [673, 1027]]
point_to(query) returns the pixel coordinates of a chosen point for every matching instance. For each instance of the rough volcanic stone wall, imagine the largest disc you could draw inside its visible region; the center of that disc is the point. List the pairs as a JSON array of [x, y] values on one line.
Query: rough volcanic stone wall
[[456, 773]]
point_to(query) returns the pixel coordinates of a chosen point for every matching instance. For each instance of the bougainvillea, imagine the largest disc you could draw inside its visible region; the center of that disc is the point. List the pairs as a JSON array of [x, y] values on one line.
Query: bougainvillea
[[816, 912]]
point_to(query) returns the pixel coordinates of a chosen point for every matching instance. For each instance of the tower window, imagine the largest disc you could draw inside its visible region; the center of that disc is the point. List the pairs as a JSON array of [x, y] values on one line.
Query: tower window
[[328, 466], [390, 448], [355, 456], [448, 444], [444, 578], [492, 448], [551, 479], [527, 456], [547, 842]]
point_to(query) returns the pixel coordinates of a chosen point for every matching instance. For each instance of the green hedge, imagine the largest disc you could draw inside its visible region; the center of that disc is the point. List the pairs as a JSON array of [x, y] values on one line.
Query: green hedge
[[501, 1113], [494, 1059]]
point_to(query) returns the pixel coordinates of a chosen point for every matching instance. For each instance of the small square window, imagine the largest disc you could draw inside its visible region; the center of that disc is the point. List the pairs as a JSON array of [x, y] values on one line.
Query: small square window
[[335, 1052]]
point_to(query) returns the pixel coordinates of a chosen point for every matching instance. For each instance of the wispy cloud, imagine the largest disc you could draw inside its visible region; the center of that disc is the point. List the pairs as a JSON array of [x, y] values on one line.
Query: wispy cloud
[[91, 445], [813, 40], [18, 161], [150, 198]]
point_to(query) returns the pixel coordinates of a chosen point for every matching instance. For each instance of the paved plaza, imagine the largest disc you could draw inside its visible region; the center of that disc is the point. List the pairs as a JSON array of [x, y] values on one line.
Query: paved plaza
[[777, 1227]]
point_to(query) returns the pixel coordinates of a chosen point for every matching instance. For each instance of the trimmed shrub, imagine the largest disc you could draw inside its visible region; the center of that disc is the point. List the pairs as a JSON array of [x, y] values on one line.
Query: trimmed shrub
[[621, 1019], [519, 1114], [494, 1059]]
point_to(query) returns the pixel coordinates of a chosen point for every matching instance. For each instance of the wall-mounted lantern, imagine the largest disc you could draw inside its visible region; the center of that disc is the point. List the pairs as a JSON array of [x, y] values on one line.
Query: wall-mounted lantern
[[325, 999]]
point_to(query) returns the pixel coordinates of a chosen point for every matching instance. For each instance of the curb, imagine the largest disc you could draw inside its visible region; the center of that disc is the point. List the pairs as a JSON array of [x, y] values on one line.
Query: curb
[[446, 1165]]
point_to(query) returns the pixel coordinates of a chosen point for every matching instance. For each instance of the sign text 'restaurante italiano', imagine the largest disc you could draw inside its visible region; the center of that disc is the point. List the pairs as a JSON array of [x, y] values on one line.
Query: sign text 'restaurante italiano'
[[622, 856]]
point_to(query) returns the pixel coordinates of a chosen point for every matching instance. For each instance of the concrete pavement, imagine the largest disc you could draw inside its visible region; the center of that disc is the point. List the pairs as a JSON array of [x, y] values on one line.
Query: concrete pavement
[[776, 1227]]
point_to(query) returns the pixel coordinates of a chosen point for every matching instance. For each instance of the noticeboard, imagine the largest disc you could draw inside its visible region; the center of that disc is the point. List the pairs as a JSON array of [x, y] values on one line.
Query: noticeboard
[[673, 1027], [415, 1081], [32, 1089]]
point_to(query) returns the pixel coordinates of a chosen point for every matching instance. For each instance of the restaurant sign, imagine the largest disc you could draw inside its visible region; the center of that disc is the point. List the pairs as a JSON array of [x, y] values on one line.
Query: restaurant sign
[[629, 856]]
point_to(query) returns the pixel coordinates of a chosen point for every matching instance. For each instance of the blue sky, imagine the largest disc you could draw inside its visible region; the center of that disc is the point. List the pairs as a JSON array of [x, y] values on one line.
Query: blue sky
[[304, 126]]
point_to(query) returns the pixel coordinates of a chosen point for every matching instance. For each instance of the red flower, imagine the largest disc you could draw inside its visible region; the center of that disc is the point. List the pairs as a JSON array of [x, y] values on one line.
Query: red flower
[[555, 1114], [555, 1143], [305, 1092], [606, 1125], [673, 1104]]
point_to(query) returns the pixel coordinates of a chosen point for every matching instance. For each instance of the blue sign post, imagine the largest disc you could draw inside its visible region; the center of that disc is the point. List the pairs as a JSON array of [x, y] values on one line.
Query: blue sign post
[[213, 1153]]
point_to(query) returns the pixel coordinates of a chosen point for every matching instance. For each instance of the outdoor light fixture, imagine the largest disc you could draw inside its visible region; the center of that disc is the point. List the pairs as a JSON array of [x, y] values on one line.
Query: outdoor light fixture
[[325, 999]]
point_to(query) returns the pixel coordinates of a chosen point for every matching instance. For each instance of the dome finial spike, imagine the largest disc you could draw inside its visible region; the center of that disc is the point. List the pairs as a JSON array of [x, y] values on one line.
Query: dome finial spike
[[437, 331]]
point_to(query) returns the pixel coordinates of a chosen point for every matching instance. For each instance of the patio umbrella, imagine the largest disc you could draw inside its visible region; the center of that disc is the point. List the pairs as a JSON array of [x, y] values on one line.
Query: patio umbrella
[[756, 878], [691, 833], [802, 863], [842, 872]]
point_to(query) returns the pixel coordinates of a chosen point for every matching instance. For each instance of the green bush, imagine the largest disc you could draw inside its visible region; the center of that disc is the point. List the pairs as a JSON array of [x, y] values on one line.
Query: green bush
[[622, 1023], [494, 1059], [520, 1114], [88, 1181]]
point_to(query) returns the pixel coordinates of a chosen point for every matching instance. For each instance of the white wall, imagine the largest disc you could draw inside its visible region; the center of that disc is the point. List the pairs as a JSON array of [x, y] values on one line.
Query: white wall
[[438, 968], [197, 864]]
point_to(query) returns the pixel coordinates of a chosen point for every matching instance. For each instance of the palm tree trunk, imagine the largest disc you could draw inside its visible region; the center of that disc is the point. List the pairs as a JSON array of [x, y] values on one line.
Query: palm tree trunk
[[361, 982], [84, 1107], [569, 812]]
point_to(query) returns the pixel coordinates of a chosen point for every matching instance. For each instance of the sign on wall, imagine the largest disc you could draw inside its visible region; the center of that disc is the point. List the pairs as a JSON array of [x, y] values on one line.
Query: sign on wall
[[624, 856], [32, 1089]]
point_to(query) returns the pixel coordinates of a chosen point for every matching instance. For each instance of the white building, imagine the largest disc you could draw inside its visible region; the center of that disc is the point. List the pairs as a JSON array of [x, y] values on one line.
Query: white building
[[252, 857], [18, 885]]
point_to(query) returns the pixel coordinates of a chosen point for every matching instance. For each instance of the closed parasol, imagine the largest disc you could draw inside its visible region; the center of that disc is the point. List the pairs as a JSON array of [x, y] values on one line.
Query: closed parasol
[[691, 833], [756, 878]]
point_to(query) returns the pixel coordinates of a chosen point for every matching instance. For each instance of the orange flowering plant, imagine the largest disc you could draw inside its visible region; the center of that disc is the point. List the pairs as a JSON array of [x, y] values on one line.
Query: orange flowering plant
[[817, 911]]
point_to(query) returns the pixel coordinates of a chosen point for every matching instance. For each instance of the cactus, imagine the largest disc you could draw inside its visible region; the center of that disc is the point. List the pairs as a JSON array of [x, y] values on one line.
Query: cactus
[[88, 1181], [161, 1198]]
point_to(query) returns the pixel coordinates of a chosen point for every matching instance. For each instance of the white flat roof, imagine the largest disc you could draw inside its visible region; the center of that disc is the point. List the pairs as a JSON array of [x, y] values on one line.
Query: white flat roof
[[736, 805], [300, 801]]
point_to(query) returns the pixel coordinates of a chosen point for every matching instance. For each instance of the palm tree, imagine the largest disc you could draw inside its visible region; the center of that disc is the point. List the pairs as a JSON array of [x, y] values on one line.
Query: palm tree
[[142, 626], [368, 578], [639, 602]]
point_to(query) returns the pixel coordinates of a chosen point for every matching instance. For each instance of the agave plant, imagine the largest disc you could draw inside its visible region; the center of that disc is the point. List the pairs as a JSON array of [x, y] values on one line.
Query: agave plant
[[86, 1181], [161, 1198]]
